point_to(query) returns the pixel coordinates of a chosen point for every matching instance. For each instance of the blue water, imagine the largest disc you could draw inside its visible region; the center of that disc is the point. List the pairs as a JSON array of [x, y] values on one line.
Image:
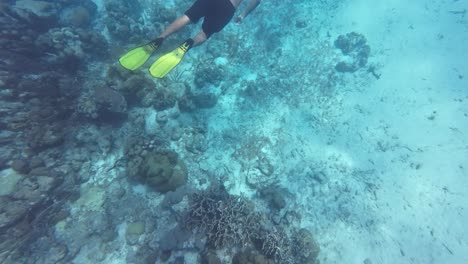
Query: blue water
[[311, 132]]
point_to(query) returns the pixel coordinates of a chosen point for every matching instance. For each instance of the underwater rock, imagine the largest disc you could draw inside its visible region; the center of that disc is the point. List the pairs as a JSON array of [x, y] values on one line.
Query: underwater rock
[[210, 257], [79, 231], [174, 197], [165, 255], [91, 199], [122, 20], [118, 193], [251, 257], [87, 107], [109, 235], [137, 147], [264, 165], [175, 131], [39, 14], [101, 101], [38, 8], [144, 255], [258, 180], [208, 74], [205, 97], [350, 42], [306, 249], [3, 161], [354, 46], [20, 165], [110, 99], [8, 180], [177, 88], [275, 196], [75, 16], [25, 211], [174, 238], [36, 162], [301, 23], [46, 250], [163, 99], [135, 86], [48, 136], [163, 171], [179, 260], [134, 231], [162, 118], [196, 143], [11, 211], [186, 104], [61, 44], [33, 188], [93, 43], [60, 47]]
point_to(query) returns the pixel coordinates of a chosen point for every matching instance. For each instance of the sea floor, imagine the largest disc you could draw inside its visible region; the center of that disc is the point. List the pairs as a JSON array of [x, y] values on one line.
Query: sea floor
[[389, 150], [372, 162]]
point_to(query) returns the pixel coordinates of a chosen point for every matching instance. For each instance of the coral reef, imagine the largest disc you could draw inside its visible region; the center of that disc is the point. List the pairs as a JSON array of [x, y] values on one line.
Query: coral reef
[[305, 249], [210, 257], [205, 92], [355, 47], [208, 74], [122, 21], [101, 101], [229, 221], [65, 164], [275, 196], [275, 244], [174, 238], [68, 47], [139, 89], [77, 16], [251, 257], [152, 163], [163, 171], [28, 206], [226, 220], [163, 99]]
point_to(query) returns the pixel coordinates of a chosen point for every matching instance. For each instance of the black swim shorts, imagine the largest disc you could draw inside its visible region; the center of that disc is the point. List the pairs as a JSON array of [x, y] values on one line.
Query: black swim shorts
[[216, 13]]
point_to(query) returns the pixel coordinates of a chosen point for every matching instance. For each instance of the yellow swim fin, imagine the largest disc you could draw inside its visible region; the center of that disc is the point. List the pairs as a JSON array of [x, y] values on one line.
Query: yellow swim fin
[[162, 66], [136, 57]]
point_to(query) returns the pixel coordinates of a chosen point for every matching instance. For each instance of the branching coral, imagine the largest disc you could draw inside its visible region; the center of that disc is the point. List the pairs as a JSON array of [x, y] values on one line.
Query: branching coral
[[233, 221], [226, 220], [276, 245]]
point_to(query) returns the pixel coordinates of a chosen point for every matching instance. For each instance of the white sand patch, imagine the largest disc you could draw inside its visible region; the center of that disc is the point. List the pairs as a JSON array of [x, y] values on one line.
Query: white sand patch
[[415, 132]]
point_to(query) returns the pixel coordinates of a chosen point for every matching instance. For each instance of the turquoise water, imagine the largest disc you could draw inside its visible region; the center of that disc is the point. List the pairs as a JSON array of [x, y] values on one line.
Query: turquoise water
[[312, 132]]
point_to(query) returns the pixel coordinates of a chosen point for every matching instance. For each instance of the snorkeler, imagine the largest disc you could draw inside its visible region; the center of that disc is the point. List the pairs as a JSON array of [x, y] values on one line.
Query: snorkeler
[[216, 13]]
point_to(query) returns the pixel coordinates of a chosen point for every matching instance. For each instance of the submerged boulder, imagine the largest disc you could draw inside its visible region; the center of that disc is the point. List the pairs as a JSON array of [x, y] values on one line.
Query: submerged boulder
[[306, 247], [163, 171], [354, 46]]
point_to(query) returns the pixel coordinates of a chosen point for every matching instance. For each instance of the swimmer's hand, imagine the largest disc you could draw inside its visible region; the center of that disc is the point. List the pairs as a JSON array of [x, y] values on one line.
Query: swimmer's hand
[[239, 19]]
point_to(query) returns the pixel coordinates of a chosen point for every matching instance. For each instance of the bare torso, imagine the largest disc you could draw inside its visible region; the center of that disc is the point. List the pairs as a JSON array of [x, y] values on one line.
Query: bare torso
[[236, 3]]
